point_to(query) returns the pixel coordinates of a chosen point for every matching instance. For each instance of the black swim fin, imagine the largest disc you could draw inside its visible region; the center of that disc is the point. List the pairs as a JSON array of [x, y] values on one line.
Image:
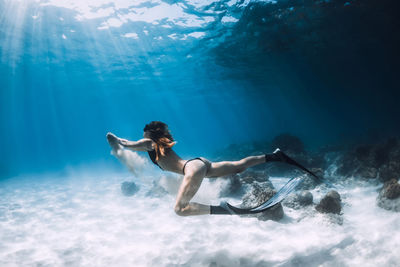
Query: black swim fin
[[286, 159], [227, 209]]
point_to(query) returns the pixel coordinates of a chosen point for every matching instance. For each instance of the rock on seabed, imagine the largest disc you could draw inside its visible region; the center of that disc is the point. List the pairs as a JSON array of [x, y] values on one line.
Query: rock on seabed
[[129, 188], [389, 196], [260, 193], [330, 203], [299, 200]]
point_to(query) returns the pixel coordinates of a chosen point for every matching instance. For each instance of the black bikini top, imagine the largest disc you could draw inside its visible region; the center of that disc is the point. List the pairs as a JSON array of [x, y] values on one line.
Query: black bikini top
[[152, 155]]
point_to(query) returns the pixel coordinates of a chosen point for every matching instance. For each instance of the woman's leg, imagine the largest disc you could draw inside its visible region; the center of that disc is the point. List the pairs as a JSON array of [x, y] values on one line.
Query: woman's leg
[[224, 168], [194, 175]]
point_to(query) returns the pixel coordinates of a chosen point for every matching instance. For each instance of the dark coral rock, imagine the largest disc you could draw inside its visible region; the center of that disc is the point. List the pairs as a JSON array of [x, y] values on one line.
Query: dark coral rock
[[389, 171], [260, 193], [389, 204], [129, 188], [384, 150], [299, 200], [250, 176], [305, 198], [391, 189], [363, 152], [358, 163], [367, 172], [389, 196], [330, 203], [347, 164], [372, 161]]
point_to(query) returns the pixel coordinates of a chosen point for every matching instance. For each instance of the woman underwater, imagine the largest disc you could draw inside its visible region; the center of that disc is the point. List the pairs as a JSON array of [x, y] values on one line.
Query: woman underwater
[[158, 142]]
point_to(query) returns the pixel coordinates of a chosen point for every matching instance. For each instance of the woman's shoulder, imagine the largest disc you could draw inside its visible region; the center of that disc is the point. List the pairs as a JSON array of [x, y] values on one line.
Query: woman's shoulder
[[146, 143], [150, 143]]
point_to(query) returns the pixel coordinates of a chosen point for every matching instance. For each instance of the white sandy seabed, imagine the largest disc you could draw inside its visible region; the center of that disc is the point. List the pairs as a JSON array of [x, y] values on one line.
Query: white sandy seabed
[[83, 219]]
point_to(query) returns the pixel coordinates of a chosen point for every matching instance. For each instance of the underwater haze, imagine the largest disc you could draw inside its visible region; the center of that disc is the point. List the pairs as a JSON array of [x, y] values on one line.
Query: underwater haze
[[221, 74]]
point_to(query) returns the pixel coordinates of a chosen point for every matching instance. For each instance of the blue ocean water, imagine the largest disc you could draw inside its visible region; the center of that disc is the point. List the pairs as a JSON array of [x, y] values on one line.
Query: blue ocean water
[[218, 73]]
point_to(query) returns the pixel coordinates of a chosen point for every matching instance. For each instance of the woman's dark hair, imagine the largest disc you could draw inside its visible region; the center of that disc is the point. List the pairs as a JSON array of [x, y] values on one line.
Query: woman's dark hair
[[160, 134]]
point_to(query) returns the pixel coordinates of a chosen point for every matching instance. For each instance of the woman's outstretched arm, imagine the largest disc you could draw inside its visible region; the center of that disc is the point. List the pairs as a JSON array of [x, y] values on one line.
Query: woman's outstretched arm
[[144, 144]]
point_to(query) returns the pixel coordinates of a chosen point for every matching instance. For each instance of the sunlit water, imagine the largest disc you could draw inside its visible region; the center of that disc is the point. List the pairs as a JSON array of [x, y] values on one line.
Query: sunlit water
[[217, 72], [83, 219]]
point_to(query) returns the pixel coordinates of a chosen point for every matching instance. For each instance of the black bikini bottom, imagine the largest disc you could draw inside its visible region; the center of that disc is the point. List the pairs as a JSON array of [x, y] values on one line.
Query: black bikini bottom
[[206, 162]]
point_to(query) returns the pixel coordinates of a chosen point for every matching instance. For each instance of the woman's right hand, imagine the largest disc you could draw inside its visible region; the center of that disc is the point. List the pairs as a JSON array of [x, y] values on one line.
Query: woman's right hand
[[113, 138], [123, 142]]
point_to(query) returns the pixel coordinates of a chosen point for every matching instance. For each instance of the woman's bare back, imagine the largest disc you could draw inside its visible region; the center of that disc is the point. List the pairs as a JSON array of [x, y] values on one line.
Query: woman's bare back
[[171, 162]]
